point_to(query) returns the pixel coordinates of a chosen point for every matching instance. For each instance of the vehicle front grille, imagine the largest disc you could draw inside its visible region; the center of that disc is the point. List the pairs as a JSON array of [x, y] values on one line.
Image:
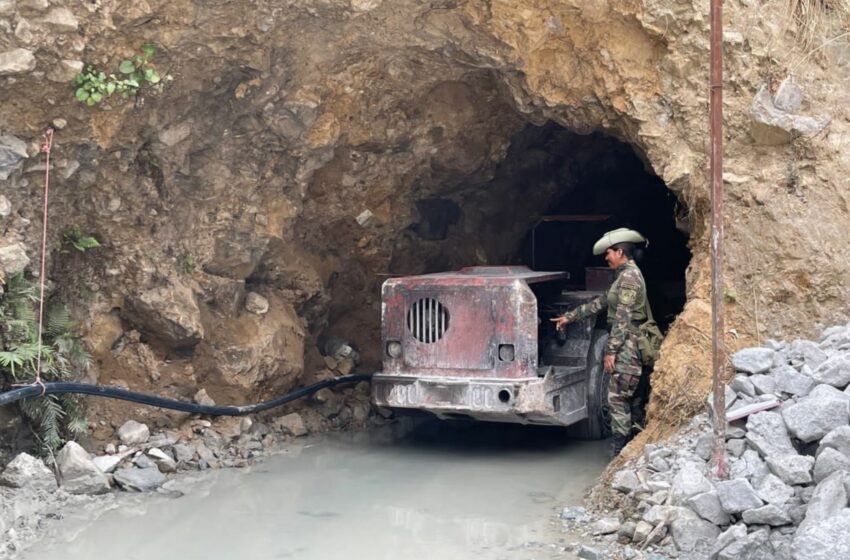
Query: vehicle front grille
[[427, 320]]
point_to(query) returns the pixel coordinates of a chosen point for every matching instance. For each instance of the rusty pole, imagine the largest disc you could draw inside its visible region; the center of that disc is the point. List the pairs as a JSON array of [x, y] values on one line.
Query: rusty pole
[[718, 354]]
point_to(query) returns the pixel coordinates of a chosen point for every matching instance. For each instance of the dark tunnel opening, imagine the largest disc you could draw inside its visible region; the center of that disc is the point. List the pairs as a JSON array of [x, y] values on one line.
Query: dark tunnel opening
[[605, 188]]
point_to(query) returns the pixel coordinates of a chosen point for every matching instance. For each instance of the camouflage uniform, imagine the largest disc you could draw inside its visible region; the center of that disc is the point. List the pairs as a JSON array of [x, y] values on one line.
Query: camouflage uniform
[[626, 302]]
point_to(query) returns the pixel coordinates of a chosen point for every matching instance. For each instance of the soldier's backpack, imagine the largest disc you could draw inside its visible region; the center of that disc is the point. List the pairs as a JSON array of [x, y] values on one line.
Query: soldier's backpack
[[649, 337]]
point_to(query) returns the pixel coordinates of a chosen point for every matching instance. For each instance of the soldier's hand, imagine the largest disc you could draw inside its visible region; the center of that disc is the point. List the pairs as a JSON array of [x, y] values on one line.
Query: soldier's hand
[[608, 363], [560, 322]]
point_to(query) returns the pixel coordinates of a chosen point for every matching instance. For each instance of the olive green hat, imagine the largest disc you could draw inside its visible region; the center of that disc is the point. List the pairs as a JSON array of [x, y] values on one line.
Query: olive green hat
[[619, 235]]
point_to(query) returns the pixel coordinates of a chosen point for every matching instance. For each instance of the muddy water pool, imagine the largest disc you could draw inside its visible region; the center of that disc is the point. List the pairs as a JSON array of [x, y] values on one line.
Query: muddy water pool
[[433, 491]]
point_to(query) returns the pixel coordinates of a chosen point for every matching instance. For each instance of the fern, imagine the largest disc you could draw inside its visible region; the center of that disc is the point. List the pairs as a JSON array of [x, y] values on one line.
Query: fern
[[52, 418]]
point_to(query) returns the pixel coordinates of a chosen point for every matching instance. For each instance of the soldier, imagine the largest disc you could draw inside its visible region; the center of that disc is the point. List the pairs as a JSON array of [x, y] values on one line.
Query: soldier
[[627, 306]]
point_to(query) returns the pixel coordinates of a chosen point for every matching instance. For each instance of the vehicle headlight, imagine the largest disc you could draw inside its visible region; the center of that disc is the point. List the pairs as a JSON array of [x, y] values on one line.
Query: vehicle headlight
[[394, 349]]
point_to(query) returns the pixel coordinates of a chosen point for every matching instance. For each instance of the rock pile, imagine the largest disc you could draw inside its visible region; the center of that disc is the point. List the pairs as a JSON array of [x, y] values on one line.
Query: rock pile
[[788, 450]]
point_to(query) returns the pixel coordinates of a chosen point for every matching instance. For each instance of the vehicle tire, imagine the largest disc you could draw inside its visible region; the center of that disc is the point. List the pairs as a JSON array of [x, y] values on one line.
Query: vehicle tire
[[597, 425]]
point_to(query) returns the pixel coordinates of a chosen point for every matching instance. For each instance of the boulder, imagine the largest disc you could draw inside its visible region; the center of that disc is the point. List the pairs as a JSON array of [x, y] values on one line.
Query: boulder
[[732, 534], [257, 304], [291, 424], [26, 471], [236, 256], [62, 20], [625, 481], [754, 546], [139, 480], [691, 533], [815, 415], [689, 481], [835, 371], [792, 469], [772, 125], [753, 360], [763, 384], [707, 505], [133, 433], [77, 473], [830, 461], [769, 514], [790, 381], [167, 313], [13, 259], [749, 466], [772, 490], [829, 539], [838, 439], [737, 496], [16, 61], [828, 500], [806, 352], [766, 432]]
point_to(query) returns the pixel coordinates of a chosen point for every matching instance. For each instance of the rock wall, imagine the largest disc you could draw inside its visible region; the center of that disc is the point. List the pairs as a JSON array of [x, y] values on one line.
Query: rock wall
[[295, 152]]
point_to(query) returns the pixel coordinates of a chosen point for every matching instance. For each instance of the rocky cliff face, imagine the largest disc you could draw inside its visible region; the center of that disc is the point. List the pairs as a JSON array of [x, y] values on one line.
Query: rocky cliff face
[[306, 150]]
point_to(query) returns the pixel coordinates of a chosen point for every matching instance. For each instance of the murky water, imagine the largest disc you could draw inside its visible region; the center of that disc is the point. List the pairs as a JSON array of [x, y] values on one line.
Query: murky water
[[442, 491]]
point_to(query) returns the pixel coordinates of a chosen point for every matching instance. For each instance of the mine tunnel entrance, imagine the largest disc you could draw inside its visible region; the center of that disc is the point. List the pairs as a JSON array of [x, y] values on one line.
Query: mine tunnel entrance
[[545, 204], [604, 185]]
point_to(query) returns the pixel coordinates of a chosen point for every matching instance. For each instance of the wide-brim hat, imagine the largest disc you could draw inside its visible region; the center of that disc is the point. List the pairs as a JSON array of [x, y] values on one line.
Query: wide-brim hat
[[619, 235]]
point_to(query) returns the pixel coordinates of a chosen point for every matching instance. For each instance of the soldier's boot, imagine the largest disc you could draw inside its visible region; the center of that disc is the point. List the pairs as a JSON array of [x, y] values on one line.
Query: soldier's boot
[[618, 442]]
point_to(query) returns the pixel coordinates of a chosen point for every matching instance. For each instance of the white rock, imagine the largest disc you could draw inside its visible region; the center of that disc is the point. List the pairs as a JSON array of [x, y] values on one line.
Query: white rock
[[77, 473], [65, 71], [292, 424], [62, 19], [26, 471], [5, 206], [133, 433], [16, 61], [257, 304]]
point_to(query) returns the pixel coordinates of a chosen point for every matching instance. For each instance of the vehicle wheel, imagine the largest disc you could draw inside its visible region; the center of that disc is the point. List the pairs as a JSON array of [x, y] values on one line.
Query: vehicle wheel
[[597, 425]]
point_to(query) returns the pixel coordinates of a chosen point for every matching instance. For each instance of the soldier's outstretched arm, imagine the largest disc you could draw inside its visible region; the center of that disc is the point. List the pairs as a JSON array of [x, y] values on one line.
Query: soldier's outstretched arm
[[592, 307]]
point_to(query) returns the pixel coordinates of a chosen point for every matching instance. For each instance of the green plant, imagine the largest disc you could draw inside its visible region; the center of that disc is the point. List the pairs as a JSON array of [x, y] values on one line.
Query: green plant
[[75, 238], [93, 86], [53, 418], [188, 263]]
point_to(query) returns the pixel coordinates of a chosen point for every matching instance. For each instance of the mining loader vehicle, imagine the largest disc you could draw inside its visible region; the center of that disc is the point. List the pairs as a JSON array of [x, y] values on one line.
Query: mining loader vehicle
[[478, 344]]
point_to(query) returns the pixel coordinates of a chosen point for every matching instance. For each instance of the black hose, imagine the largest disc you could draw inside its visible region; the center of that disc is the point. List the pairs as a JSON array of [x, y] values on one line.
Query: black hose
[[56, 388]]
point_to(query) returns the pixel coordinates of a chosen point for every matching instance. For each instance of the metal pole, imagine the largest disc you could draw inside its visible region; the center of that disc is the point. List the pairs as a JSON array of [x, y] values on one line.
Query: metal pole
[[718, 354]]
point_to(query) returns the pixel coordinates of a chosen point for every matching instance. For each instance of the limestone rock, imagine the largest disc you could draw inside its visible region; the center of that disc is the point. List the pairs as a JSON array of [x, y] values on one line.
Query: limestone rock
[[202, 397], [788, 380], [824, 409], [689, 482], [292, 424], [767, 433], [77, 473], [768, 116], [830, 461], [828, 499], [707, 505], [26, 471], [737, 496], [769, 514], [773, 491], [16, 61], [838, 439], [792, 469], [829, 539], [257, 304], [834, 371], [5, 206], [139, 480], [65, 70], [168, 314], [12, 150], [754, 546], [625, 481], [133, 433], [605, 526], [13, 259], [692, 534], [753, 360], [62, 20]]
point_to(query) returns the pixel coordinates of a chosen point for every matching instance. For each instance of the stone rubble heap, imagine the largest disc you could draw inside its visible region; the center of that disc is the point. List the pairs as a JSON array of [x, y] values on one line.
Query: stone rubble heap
[[786, 496]]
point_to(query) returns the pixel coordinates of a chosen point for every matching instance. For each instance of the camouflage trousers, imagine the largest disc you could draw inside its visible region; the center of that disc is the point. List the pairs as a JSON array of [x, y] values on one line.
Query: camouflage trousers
[[621, 389]]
